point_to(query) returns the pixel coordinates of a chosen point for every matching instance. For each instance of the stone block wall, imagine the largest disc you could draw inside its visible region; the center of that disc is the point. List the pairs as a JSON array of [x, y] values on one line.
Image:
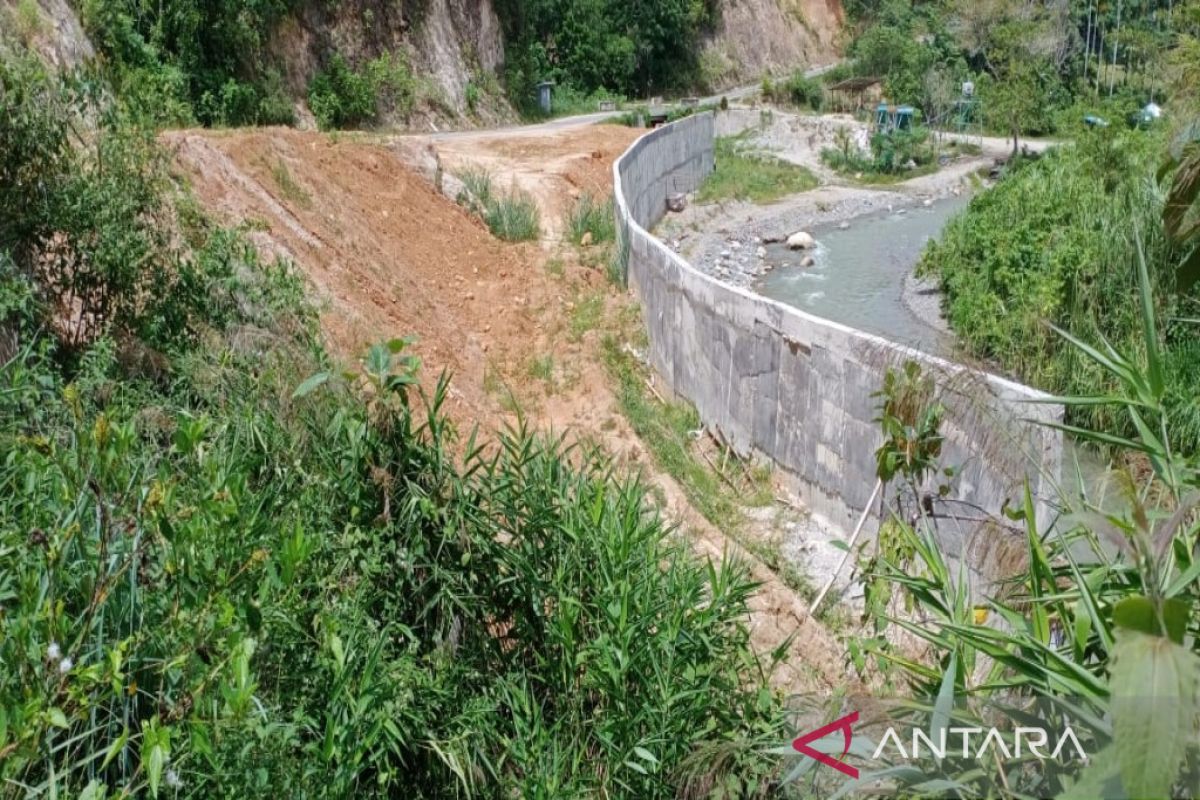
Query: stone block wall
[[797, 389]]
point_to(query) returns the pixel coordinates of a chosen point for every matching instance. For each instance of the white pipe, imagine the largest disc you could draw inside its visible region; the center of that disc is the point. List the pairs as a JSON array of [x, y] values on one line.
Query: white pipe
[[849, 549]]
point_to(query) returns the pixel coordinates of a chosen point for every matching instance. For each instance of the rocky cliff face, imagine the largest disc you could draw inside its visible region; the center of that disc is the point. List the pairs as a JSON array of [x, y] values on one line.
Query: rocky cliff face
[[449, 44], [50, 27], [755, 37], [454, 44]]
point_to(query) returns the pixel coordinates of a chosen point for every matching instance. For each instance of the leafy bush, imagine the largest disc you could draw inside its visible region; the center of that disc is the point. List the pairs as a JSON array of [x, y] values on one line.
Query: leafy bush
[[901, 150], [182, 60], [342, 97], [339, 97], [895, 155], [95, 238], [589, 45], [805, 91]]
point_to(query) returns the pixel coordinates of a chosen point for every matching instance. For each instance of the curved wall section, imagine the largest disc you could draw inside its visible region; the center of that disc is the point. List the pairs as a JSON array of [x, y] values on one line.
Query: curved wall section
[[779, 382]]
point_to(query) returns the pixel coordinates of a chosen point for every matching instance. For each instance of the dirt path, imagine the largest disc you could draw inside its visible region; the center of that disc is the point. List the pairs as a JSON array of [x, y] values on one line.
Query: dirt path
[[557, 165]]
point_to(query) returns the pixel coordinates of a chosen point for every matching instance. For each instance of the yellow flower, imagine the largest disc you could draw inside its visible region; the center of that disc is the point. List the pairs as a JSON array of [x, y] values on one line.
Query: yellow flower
[[71, 396], [100, 430], [981, 615]]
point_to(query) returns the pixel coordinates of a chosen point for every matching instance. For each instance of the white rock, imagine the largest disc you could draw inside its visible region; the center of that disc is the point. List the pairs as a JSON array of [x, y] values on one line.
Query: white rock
[[844, 226], [761, 252], [801, 241], [808, 261], [927, 202], [736, 245]]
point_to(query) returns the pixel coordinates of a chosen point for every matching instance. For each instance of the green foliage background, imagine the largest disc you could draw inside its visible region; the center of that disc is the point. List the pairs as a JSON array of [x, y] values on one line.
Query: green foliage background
[[1057, 241], [226, 571]]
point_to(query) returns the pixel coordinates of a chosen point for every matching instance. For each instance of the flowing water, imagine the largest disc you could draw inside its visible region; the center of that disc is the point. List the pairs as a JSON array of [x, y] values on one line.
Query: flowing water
[[858, 278]]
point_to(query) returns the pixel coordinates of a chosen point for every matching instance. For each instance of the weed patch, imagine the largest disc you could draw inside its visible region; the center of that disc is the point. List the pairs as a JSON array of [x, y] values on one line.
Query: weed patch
[[288, 187], [586, 315], [513, 217], [753, 177], [594, 217]]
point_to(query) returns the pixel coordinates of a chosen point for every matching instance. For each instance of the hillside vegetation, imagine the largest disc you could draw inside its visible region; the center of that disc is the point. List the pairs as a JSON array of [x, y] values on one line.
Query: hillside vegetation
[[1039, 68], [1058, 242], [228, 571], [234, 566], [354, 63]]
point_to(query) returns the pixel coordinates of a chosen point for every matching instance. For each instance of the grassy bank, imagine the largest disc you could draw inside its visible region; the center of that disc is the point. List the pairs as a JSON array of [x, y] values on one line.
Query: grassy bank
[[1057, 241], [753, 177]]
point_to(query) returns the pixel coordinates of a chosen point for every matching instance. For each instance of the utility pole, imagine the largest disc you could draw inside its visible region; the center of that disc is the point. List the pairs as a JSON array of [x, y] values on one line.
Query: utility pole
[[1112, 73], [1087, 43]]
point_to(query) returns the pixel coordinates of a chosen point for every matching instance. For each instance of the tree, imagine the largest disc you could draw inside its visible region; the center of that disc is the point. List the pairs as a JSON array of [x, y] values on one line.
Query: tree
[[1023, 48], [1014, 97]]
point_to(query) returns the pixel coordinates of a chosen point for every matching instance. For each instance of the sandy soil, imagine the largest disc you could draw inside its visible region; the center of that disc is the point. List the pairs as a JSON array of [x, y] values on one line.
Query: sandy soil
[[389, 255], [557, 167]]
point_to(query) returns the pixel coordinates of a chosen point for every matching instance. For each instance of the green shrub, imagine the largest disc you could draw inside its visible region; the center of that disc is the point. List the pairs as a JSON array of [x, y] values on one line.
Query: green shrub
[[471, 93], [804, 91], [339, 97], [228, 568], [894, 156], [393, 82], [181, 61], [1054, 242], [96, 236], [592, 216]]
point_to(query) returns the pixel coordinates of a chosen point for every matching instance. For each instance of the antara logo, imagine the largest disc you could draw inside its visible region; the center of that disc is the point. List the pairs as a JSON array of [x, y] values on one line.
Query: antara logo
[[801, 744], [1035, 741]]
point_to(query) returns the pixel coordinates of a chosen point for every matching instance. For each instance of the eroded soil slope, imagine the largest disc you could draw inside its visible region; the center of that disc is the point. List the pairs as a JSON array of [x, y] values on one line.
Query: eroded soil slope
[[386, 254], [520, 326]]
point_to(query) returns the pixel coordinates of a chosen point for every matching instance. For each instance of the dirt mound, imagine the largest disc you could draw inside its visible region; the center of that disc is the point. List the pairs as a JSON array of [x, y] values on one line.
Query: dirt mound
[[556, 167], [385, 253]]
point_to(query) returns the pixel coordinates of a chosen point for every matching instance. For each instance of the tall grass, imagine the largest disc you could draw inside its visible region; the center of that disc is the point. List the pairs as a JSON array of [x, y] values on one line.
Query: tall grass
[[592, 216], [230, 567], [513, 217], [1085, 632], [752, 177]]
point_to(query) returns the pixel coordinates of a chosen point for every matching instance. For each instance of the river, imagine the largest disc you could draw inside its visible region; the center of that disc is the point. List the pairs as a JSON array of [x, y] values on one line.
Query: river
[[859, 272]]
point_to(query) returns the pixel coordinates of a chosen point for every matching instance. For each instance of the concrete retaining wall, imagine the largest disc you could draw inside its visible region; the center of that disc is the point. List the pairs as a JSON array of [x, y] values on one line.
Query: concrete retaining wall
[[781, 383]]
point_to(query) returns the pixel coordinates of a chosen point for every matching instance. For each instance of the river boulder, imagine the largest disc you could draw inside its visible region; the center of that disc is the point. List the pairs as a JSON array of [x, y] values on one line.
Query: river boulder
[[801, 241]]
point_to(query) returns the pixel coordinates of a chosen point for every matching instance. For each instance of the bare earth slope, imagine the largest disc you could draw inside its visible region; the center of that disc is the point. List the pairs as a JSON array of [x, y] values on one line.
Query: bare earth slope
[[388, 256]]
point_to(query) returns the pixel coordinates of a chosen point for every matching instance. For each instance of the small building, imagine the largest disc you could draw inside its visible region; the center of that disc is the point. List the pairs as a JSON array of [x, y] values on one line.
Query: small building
[[544, 96], [854, 95]]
